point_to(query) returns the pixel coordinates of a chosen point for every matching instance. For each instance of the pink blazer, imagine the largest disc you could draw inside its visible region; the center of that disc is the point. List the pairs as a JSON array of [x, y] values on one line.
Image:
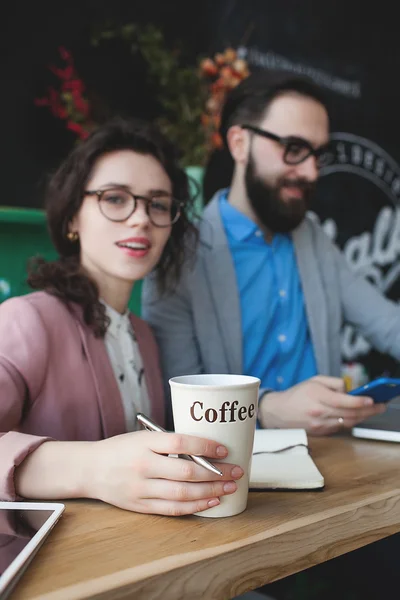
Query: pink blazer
[[56, 380]]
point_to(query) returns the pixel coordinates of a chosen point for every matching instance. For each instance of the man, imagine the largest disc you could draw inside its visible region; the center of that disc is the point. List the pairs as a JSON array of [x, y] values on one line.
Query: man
[[268, 291]]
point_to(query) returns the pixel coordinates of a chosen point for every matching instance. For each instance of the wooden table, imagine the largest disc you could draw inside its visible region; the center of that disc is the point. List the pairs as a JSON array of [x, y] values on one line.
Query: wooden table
[[97, 551]]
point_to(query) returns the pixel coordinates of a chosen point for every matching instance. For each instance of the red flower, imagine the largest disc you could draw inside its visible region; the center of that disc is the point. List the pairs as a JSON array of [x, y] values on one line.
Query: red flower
[[64, 74], [78, 129], [41, 101], [68, 102], [65, 54], [75, 85], [80, 104]]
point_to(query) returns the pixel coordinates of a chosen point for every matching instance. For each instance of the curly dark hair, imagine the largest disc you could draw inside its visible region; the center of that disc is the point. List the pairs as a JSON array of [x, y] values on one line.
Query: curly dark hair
[[64, 277]]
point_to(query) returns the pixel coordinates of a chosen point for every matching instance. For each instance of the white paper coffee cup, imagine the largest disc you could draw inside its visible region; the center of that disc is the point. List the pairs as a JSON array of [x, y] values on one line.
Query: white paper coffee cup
[[221, 408]]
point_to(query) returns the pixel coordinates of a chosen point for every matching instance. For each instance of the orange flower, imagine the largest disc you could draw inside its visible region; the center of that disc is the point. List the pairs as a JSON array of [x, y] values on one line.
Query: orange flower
[[216, 140], [217, 86], [208, 67], [234, 82], [229, 55], [217, 120], [226, 73], [212, 104], [222, 74], [240, 66]]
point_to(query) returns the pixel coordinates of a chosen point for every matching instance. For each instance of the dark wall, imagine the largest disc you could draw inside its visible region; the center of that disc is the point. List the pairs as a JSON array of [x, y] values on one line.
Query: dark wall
[[30, 32], [339, 38]]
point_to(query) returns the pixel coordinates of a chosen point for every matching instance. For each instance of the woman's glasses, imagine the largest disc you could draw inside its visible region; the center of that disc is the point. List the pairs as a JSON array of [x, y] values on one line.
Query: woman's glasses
[[118, 204]]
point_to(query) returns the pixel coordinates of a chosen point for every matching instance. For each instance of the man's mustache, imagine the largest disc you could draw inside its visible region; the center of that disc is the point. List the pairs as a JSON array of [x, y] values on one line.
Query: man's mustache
[[301, 184]]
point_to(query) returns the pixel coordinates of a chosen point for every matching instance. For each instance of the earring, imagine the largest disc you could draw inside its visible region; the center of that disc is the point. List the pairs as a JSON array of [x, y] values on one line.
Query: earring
[[72, 236]]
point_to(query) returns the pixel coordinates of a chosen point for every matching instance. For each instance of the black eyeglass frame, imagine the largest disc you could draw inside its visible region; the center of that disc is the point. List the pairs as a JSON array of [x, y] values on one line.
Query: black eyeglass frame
[[135, 198], [288, 140]]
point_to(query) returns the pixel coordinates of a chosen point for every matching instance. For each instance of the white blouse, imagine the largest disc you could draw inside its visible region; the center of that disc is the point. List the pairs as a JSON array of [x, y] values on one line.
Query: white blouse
[[124, 354]]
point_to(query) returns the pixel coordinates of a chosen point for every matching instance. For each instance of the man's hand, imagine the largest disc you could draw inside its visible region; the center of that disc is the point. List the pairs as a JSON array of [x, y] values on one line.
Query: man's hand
[[318, 405]]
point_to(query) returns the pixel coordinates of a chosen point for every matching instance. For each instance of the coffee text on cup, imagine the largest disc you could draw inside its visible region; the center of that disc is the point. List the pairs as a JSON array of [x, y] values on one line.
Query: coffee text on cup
[[229, 412]]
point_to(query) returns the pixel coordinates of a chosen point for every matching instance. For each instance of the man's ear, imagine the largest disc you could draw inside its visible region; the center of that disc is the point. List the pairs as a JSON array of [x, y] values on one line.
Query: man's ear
[[238, 141]]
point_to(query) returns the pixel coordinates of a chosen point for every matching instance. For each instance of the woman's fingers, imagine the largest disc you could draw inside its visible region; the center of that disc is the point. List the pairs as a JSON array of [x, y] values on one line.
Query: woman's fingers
[[178, 491], [177, 443], [170, 508], [180, 469]]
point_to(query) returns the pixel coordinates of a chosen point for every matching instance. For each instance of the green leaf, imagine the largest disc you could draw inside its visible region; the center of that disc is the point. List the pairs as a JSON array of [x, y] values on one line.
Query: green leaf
[[178, 87]]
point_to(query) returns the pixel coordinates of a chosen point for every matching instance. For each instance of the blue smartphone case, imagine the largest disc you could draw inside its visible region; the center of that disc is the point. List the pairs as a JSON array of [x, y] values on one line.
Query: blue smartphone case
[[380, 390]]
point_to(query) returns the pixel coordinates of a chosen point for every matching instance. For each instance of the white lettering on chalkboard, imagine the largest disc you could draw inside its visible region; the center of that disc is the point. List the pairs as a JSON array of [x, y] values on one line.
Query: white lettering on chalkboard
[[374, 254], [272, 60]]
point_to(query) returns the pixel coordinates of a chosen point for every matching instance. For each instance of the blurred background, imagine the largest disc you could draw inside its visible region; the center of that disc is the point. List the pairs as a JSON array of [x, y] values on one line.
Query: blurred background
[[68, 66]]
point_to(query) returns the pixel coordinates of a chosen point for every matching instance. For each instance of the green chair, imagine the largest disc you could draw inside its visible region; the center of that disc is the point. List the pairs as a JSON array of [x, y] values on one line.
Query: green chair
[[23, 234]]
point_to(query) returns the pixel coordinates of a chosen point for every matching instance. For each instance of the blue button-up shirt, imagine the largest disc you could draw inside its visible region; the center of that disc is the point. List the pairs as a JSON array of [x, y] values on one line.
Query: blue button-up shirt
[[276, 341]]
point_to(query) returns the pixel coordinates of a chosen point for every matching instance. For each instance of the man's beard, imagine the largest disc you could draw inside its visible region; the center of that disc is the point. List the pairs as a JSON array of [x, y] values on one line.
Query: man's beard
[[274, 213]]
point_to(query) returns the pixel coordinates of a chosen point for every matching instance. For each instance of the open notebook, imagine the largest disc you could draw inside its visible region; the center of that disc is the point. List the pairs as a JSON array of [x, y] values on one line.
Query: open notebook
[[281, 460]]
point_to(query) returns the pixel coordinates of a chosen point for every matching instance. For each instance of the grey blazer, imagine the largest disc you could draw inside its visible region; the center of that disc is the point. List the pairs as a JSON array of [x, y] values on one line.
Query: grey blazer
[[198, 327]]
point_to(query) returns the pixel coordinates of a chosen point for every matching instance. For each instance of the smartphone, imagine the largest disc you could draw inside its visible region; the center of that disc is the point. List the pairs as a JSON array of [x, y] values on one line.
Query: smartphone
[[380, 390]]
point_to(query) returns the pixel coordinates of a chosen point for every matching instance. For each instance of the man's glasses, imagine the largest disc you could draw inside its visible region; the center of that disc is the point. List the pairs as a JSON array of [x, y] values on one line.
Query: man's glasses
[[117, 204], [296, 149]]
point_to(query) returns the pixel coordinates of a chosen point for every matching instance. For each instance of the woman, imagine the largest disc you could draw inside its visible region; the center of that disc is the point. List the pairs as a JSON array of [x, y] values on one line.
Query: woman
[[75, 367]]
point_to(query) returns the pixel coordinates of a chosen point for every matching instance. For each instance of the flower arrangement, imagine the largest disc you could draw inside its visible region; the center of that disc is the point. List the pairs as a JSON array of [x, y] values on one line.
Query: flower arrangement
[[190, 97], [222, 73], [69, 102]]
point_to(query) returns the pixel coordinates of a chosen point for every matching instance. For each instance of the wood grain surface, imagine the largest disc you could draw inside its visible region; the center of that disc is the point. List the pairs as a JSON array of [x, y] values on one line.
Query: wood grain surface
[[98, 551]]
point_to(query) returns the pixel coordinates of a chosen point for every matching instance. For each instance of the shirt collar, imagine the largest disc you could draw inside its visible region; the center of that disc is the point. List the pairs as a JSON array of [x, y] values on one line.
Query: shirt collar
[[237, 225], [240, 227], [118, 322]]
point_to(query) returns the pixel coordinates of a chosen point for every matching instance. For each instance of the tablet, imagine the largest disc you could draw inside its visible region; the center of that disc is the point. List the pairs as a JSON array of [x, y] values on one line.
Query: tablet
[[385, 427], [23, 528]]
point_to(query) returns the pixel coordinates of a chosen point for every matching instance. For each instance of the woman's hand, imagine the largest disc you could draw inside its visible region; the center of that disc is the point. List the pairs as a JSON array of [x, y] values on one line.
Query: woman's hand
[[131, 471]]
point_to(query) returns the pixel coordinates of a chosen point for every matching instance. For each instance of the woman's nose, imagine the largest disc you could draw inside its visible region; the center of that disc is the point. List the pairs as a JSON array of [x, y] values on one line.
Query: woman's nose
[[139, 215]]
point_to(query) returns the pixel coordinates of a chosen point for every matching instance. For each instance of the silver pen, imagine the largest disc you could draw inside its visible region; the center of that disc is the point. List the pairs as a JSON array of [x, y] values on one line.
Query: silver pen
[[151, 426]]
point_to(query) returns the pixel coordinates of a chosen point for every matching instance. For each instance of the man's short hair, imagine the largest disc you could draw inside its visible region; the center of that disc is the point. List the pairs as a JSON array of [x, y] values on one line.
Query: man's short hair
[[248, 102]]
